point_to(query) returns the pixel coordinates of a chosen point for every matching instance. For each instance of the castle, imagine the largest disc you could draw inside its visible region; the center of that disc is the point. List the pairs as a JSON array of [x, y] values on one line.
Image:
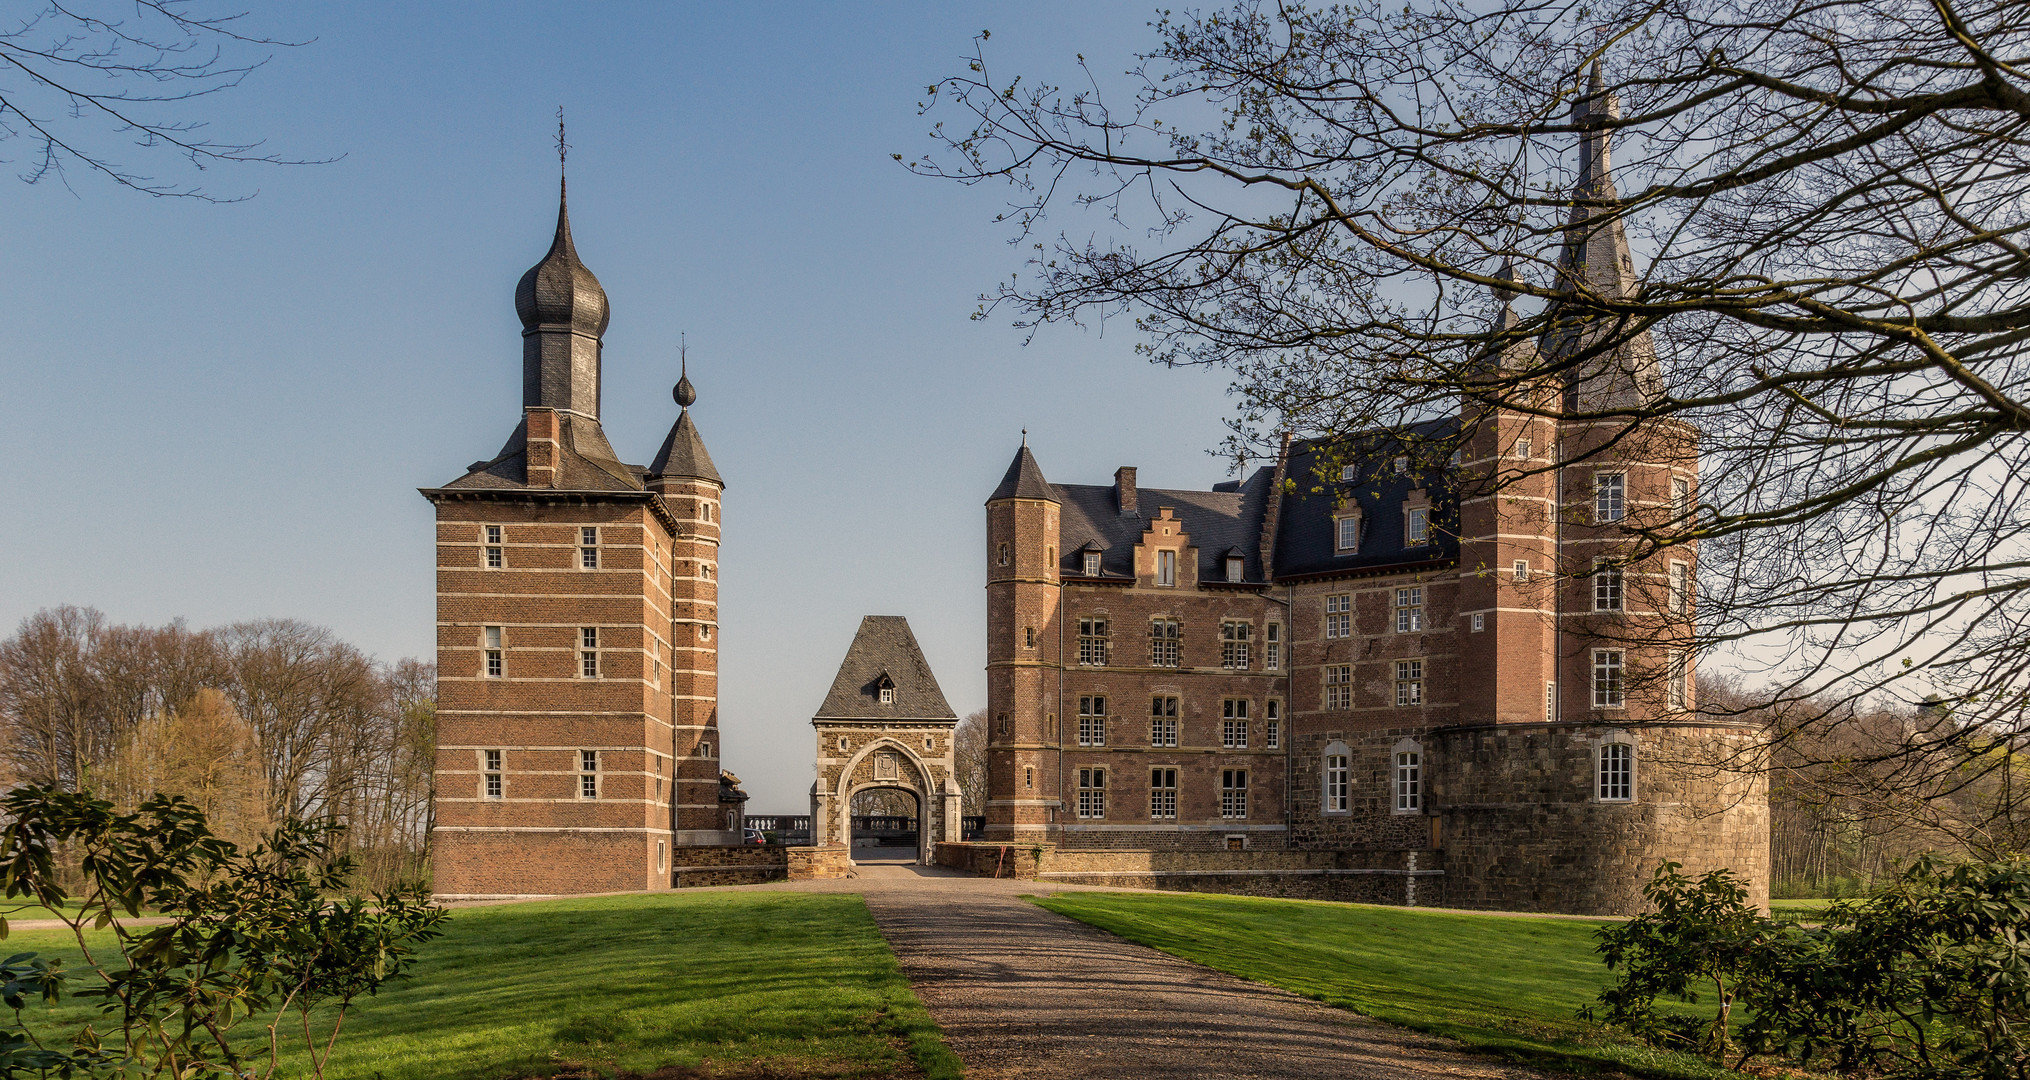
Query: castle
[[1369, 666], [577, 604]]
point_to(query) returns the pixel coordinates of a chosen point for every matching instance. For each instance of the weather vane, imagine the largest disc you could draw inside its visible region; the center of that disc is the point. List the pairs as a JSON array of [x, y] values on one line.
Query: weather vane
[[563, 148]]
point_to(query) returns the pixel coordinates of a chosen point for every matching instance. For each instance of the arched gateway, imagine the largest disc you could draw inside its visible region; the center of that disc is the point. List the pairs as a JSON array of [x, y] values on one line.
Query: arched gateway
[[885, 724]]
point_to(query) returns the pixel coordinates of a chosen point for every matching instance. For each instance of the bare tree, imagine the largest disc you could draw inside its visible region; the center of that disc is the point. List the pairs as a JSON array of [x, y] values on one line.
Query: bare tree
[[969, 748], [1368, 215], [81, 77]]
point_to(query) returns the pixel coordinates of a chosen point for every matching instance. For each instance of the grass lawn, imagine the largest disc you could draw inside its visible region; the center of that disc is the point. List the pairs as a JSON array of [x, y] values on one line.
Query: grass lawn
[[801, 985], [1508, 985]]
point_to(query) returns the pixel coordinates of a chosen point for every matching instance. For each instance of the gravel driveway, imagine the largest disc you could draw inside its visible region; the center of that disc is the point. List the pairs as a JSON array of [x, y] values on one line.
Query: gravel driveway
[[1022, 992]]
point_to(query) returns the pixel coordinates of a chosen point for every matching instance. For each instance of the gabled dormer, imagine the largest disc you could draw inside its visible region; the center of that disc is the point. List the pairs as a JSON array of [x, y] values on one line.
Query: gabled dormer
[[1164, 557]]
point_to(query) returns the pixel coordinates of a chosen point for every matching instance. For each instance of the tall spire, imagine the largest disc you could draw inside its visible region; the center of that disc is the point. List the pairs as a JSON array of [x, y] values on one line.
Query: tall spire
[[564, 315]]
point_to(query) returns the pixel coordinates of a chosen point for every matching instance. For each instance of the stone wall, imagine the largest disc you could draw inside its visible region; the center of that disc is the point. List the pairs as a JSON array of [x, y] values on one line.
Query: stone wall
[[1017, 861], [819, 863], [1523, 830], [752, 864]]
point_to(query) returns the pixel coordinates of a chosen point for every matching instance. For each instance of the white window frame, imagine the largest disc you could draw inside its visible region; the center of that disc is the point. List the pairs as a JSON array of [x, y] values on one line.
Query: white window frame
[[1417, 526], [1336, 780], [1610, 669], [1614, 769], [1233, 794], [1339, 615], [494, 555], [887, 695], [1163, 710], [588, 547], [1400, 465], [588, 652], [1339, 686], [1520, 571], [1272, 647], [1346, 534], [1233, 724], [1410, 610], [588, 774], [1163, 794], [1095, 640], [1409, 683], [1610, 497], [492, 777], [1235, 645], [1166, 568], [1680, 580], [1608, 591], [1092, 792], [493, 652], [1236, 568], [1092, 720], [1272, 723], [1349, 472], [1166, 643], [1522, 448], [1092, 564], [1407, 777], [1479, 621], [1681, 498]]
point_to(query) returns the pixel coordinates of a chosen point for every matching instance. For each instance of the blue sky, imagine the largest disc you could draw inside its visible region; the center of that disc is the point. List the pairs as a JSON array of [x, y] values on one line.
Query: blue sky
[[223, 412]]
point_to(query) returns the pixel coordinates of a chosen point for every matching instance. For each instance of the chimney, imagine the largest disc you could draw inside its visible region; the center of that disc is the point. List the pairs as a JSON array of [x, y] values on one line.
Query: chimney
[[1124, 488]]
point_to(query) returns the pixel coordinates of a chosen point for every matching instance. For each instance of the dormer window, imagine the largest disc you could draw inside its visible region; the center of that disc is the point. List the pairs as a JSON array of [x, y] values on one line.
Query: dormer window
[[1402, 465], [1346, 533], [1418, 527], [1166, 568], [1092, 564], [887, 695], [1349, 472], [884, 689], [1236, 568]]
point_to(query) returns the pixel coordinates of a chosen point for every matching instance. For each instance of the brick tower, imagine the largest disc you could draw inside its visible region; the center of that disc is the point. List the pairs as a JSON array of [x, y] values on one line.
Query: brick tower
[[576, 617], [1024, 677]]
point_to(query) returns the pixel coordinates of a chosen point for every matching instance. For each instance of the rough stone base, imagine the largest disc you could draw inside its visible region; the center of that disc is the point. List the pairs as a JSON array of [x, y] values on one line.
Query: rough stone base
[[752, 864], [818, 863]]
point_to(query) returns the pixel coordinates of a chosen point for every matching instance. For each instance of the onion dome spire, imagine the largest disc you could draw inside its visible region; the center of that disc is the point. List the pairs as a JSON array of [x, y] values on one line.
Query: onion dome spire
[[564, 314], [685, 393]]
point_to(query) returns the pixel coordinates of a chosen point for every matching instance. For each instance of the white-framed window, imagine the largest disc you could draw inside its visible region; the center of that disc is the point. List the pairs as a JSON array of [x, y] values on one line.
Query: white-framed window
[[1093, 641], [1233, 793], [1339, 615], [1479, 621], [662, 855], [704, 749], [1163, 721], [1272, 724], [1339, 686], [705, 571], [1410, 610], [1092, 720], [1166, 568], [1346, 533], [1165, 639], [1233, 724], [493, 776], [1235, 645], [1338, 779], [1349, 472], [1409, 779], [1092, 564], [1617, 770], [588, 547], [1272, 647], [1002, 556], [493, 639], [588, 774], [1606, 586], [1680, 588], [1417, 526], [1610, 497], [1550, 702], [1409, 682], [1676, 680], [1092, 793], [1608, 692], [1162, 794], [704, 631], [887, 695], [495, 556], [588, 652], [1681, 498], [1400, 465], [1520, 571], [1522, 448], [1236, 568]]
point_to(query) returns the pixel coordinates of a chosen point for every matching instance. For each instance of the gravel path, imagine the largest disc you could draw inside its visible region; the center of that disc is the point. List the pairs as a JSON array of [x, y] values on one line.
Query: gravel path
[[1022, 992]]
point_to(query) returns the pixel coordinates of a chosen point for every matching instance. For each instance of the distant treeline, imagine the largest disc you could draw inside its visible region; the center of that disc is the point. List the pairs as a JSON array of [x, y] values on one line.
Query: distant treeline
[[255, 722]]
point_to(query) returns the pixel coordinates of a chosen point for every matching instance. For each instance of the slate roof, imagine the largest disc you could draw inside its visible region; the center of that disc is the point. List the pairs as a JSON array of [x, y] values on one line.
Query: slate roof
[[1024, 480], [1305, 537], [1216, 522], [683, 453], [586, 462], [885, 647]]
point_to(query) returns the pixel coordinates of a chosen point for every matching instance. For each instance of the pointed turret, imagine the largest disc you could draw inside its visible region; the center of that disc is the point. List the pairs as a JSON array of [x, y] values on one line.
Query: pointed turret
[[564, 314], [1596, 263], [1024, 479], [683, 455]]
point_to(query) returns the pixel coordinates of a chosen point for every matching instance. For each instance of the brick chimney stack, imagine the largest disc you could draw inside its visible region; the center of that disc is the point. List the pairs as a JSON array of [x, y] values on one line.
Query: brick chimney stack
[[1124, 488]]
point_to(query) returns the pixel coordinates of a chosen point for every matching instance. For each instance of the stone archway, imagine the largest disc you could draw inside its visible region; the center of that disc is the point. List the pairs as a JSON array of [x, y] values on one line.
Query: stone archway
[[868, 760]]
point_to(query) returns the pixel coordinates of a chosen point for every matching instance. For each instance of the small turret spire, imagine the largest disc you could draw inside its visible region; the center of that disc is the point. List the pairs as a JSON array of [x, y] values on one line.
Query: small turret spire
[[685, 393]]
